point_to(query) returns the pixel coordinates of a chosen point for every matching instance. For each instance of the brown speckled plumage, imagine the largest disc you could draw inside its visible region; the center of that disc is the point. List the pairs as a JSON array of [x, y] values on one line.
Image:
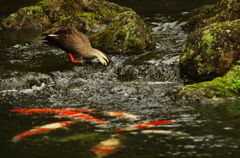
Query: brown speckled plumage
[[74, 42]]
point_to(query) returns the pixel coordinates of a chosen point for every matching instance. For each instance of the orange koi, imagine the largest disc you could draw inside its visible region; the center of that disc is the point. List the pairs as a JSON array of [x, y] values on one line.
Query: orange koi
[[42, 129], [40, 111], [121, 114], [77, 115], [32, 111], [106, 147], [144, 125]]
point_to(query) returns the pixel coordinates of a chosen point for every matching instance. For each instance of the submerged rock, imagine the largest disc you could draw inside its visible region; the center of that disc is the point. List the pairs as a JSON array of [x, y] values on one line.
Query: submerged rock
[[25, 81], [218, 90]]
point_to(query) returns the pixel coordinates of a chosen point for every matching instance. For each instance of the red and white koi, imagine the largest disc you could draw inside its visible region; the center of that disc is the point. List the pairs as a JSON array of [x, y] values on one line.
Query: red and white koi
[[121, 114], [40, 111], [42, 129], [144, 125], [106, 147], [81, 116], [165, 132]]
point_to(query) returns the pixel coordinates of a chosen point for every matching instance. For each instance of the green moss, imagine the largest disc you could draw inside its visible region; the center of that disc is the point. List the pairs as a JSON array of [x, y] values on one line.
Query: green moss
[[125, 33], [87, 15], [226, 86], [66, 13], [207, 38], [198, 58], [63, 15]]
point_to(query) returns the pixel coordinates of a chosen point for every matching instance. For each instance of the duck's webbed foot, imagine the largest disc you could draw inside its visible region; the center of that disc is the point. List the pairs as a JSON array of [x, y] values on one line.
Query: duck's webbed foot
[[73, 59]]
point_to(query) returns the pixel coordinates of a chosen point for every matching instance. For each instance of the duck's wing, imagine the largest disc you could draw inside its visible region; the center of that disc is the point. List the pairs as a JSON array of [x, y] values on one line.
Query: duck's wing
[[52, 38], [58, 33]]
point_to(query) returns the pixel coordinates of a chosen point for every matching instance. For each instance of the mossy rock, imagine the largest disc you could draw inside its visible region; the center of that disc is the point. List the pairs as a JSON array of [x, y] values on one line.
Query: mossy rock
[[218, 90], [82, 14], [126, 33], [27, 17], [224, 10], [211, 51]]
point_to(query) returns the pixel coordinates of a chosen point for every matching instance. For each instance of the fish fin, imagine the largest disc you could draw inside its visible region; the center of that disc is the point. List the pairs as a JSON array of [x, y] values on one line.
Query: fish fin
[[15, 139]]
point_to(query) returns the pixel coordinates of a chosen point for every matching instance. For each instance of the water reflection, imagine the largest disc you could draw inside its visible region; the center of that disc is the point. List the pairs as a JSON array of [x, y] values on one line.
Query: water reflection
[[18, 37]]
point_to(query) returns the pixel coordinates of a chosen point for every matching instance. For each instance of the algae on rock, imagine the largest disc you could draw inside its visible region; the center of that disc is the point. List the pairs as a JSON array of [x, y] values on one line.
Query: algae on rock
[[27, 17], [125, 33], [219, 89], [213, 47], [224, 10], [212, 50], [84, 14]]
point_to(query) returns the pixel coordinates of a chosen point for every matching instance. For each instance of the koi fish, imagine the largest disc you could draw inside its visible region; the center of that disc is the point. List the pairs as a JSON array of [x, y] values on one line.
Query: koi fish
[[171, 133], [144, 125], [121, 114], [70, 113], [40, 111], [32, 111], [42, 129], [83, 110], [106, 147], [81, 116]]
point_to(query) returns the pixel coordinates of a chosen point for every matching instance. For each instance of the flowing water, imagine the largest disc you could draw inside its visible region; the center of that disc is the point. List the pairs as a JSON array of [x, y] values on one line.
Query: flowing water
[[34, 75]]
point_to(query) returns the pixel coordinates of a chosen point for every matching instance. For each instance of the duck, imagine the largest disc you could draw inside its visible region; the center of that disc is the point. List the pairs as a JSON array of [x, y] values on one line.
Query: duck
[[73, 42]]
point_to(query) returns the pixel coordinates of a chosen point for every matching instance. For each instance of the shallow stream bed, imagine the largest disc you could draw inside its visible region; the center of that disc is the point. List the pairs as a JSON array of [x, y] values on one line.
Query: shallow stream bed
[[34, 75]]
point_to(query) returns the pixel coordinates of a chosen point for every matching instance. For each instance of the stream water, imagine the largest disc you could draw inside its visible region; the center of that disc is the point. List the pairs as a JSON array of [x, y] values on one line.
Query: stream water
[[34, 75]]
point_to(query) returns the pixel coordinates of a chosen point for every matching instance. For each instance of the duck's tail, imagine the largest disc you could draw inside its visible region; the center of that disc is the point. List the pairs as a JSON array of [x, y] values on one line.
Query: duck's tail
[[101, 56]]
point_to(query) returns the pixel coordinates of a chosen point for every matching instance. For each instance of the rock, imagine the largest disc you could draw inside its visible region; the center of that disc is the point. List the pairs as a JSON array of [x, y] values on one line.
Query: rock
[[213, 45], [212, 50], [27, 17], [82, 14], [125, 33], [218, 90], [224, 10]]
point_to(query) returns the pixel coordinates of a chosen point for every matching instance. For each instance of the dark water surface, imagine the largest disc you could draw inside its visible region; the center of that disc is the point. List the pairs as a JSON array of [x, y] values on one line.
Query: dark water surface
[[38, 76]]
